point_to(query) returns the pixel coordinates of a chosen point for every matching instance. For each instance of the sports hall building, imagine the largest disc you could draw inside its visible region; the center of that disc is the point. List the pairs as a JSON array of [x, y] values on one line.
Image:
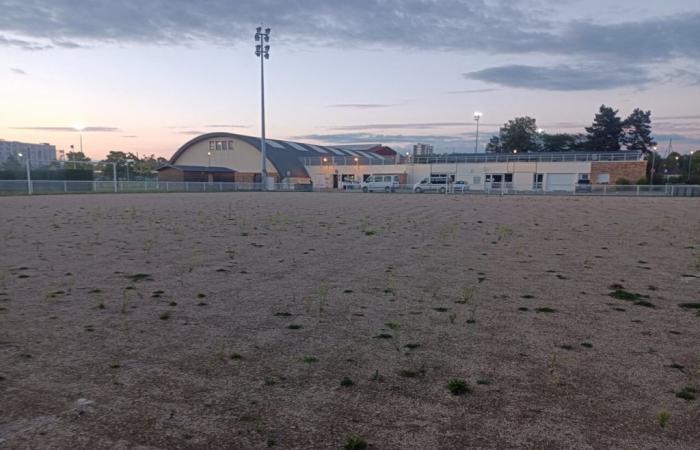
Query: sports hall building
[[232, 157]]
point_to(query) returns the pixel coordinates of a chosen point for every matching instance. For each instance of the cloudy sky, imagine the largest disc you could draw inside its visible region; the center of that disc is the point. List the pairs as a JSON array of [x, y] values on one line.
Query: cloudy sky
[[147, 75]]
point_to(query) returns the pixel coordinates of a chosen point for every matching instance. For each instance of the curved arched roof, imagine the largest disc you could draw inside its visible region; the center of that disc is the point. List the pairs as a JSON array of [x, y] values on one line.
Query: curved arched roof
[[286, 156]]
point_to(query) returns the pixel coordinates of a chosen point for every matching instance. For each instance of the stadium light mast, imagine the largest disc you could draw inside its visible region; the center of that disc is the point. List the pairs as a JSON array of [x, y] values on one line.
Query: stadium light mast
[[262, 51], [477, 117]]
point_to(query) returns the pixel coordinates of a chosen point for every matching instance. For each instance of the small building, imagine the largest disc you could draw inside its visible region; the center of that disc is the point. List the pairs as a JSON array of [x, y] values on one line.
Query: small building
[[196, 173]]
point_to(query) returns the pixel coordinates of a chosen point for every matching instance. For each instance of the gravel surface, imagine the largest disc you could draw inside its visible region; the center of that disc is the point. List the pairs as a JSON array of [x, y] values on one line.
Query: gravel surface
[[230, 321]]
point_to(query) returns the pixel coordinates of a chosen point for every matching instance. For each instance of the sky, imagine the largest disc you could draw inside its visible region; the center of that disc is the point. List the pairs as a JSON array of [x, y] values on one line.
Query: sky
[[146, 76]]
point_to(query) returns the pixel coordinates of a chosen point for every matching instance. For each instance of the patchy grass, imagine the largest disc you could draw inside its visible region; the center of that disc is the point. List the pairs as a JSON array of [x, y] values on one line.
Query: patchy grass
[[309, 359], [690, 305], [164, 316], [687, 393], [622, 294], [412, 346], [346, 382], [295, 327], [586, 344], [458, 387], [546, 310], [355, 443], [383, 336], [139, 277], [663, 417]]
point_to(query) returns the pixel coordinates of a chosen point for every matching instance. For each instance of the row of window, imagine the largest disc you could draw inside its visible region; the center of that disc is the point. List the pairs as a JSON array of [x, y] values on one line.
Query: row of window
[[220, 145]]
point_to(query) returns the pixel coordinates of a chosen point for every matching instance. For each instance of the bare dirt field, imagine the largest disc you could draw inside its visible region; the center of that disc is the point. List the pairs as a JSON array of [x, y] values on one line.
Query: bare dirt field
[[297, 321]]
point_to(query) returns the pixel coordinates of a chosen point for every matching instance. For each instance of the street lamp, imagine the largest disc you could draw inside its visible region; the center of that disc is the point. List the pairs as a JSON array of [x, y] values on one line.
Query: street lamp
[[653, 167], [477, 117], [262, 50], [209, 155], [29, 173]]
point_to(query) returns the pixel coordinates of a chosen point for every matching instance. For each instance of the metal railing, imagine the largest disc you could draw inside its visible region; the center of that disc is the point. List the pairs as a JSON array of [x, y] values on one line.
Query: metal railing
[[21, 187], [471, 158], [508, 188]]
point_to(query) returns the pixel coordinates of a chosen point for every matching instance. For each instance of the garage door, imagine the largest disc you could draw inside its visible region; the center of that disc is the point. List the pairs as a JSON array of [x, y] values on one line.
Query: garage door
[[560, 181]]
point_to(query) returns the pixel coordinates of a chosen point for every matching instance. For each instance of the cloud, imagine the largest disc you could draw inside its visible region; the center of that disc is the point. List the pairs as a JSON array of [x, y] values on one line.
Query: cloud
[[71, 129], [226, 126], [398, 126], [471, 91], [130, 137], [493, 26], [361, 105], [562, 77], [17, 71], [191, 132]]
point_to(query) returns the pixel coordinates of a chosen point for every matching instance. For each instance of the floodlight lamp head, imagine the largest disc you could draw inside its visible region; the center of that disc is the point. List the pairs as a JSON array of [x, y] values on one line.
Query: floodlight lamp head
[[258, 30], [267, 56], [267, 48], [267, 38], [478, 114], [267, 31], [257, 37]]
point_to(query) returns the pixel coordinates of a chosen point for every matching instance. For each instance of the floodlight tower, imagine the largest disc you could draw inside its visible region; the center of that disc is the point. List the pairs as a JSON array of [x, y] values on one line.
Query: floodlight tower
[[262, 51], [477, 117]]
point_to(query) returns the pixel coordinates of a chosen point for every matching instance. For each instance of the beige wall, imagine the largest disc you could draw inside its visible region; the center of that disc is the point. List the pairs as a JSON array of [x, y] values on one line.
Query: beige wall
[[243, 158]]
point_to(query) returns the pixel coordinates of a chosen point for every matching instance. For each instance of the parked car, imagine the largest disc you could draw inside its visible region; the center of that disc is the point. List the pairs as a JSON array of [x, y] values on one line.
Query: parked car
[[460, 186], [350, 185], [386, 183]]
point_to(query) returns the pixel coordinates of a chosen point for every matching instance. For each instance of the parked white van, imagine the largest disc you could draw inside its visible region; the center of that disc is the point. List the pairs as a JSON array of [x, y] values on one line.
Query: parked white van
[[435, 182], [386, 183]]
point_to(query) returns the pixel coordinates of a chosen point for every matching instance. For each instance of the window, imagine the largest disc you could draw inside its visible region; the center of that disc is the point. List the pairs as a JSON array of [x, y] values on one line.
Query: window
[[509, 178], [488, 178], [218, 145], [212, 145], [603, 178], [583, 177], [230, 145]]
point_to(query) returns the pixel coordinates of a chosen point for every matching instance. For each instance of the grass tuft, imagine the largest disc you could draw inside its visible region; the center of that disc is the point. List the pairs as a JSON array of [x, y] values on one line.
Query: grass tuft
[[355, 443], [458, 387]]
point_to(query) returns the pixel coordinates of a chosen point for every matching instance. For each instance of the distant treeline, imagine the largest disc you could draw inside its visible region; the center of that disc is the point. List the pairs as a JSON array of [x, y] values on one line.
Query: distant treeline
[[607, 133]]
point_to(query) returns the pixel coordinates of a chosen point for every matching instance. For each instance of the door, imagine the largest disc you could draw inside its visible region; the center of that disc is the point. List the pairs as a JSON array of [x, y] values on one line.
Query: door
[[335, 181], [561, 181]]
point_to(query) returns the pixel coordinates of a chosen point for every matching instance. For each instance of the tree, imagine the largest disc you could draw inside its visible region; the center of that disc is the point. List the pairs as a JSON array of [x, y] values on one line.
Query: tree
[[76, 156], [494, 145], [637, 131], [12, 163], [519, 134], [563, 142], [606, 132]]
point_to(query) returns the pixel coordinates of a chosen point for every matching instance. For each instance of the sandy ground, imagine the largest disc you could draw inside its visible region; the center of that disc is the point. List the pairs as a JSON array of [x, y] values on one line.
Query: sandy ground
[[163, 321]]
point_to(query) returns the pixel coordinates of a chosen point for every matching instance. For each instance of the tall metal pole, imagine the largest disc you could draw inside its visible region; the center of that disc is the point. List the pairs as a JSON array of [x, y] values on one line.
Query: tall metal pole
[[114, 175], [29, 174], [263, 51], [690, 163], [477, 117], [262, 123], [653, 167]]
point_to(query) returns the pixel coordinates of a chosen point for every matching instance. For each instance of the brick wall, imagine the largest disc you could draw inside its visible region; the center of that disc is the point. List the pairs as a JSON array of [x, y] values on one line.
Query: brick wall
[[632, 171]]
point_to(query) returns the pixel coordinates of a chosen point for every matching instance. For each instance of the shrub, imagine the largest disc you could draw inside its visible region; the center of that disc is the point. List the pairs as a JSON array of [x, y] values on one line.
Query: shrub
[[622, 182], [663, 417]]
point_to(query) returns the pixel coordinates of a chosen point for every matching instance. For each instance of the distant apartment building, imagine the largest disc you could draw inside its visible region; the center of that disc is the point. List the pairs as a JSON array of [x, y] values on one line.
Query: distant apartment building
[[39, 154], [422, 150]]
